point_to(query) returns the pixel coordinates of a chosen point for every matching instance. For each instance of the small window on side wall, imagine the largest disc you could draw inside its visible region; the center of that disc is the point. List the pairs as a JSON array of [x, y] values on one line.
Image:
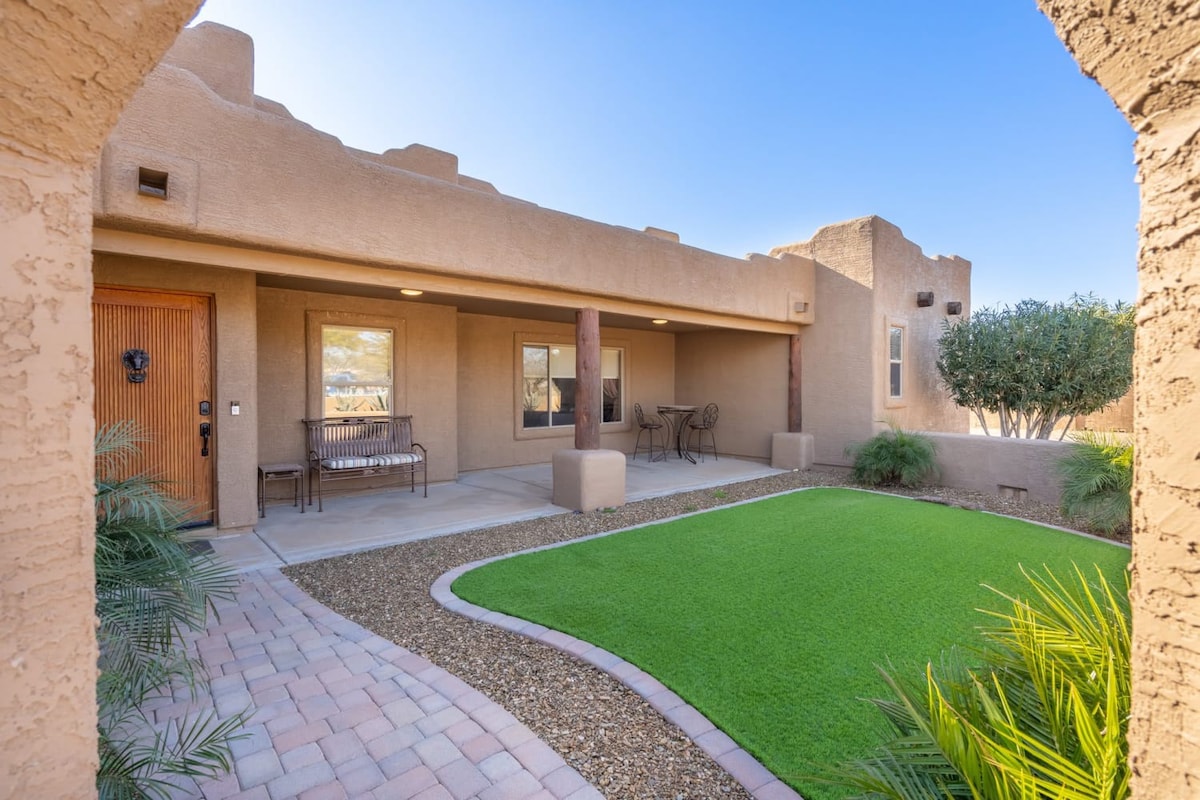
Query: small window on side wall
[[356, 371], [895, 361]]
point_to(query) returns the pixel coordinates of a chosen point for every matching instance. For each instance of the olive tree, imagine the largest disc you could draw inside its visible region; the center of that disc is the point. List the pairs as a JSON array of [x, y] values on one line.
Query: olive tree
[[1038, 363]]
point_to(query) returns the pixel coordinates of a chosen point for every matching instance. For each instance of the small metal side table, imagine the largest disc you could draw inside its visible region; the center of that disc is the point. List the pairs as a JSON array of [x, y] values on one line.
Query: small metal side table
[[280, 472]]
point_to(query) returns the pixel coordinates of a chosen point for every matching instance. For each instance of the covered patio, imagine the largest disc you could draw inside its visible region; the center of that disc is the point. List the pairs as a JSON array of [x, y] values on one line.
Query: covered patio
[[478, 499]]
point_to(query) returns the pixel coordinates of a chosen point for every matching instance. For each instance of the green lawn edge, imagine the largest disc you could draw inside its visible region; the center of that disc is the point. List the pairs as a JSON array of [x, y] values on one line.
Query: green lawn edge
[[771, 617]]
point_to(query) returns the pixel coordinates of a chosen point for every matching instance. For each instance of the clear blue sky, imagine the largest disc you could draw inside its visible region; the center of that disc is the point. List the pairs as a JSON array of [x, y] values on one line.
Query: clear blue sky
[[741, 126]]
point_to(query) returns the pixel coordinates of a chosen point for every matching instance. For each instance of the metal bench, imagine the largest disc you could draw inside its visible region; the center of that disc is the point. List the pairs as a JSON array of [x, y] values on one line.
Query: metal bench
[[363, 447]]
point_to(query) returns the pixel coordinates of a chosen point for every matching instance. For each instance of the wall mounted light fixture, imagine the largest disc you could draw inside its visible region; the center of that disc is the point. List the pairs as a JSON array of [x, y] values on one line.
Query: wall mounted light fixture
[[924, 299], [152, 183], [954, 308], [136, 361]]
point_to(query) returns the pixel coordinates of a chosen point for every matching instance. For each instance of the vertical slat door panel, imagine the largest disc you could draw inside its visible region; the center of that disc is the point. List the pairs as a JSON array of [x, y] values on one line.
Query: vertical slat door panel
[[174, 329]]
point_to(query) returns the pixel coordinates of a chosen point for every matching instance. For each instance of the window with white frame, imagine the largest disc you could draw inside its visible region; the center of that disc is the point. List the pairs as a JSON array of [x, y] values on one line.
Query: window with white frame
[[895, 361], [548, 385], [356, 371]]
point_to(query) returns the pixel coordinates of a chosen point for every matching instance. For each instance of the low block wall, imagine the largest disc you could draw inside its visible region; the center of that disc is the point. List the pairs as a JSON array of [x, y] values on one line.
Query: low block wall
[[1021, 468]]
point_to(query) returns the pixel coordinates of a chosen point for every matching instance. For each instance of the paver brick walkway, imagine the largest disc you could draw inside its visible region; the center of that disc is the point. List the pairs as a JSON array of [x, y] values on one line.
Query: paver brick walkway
[[339, 712]]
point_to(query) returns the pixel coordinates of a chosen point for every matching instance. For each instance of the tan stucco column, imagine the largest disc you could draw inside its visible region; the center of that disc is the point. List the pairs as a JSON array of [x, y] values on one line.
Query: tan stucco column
[[69, 68], [1146, 55]]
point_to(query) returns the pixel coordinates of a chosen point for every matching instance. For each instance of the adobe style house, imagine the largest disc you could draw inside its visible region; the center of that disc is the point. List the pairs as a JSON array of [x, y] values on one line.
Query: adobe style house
[[272, 274], [69, 72]]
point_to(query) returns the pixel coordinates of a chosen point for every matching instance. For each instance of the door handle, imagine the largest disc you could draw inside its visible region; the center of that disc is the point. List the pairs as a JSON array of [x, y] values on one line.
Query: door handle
[[205, 432]]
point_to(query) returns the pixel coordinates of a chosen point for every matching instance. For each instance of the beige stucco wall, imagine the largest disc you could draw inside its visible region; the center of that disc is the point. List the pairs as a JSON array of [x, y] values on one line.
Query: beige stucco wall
[[999, 465], [902, 270], [1116, 416], [1144, 54], [867, 278], [68, 70], [234, 370], [239, 174], [746, 375], [488, 381], [425, 371]]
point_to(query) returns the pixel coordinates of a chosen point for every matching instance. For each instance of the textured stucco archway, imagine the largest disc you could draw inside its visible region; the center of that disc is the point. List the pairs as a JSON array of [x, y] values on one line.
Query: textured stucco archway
[[68, 70], [1146, 55]]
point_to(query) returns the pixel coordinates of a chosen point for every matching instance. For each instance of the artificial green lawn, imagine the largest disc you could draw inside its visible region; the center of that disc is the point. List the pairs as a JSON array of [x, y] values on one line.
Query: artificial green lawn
[[770, 617]]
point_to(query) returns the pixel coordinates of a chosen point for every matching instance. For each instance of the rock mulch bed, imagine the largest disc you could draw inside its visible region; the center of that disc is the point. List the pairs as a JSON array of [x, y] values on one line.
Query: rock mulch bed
[[600, 728]]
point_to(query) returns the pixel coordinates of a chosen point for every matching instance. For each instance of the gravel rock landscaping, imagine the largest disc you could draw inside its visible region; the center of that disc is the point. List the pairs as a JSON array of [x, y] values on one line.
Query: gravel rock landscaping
[[602, 729]]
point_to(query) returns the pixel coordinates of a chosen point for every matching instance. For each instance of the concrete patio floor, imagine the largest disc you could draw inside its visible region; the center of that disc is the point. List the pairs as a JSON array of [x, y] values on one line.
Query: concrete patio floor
[[355, 522]]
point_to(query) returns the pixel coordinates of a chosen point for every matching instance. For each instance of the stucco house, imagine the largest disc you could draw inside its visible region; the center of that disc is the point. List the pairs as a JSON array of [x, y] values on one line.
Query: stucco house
[[70, 70], [277, 275]]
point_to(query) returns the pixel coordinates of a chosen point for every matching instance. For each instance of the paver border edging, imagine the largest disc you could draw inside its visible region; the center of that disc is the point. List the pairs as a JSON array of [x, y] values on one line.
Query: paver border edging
[[761, 783]]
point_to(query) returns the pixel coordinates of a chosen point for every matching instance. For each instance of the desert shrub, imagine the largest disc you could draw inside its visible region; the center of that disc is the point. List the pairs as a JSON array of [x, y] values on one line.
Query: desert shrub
[[1098, 482], [894, 457], [150, 590], [1043, 715]]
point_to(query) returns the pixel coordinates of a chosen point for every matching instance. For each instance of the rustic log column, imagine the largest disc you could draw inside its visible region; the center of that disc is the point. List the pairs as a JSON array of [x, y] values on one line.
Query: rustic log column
[[794, 418], [587, 379]]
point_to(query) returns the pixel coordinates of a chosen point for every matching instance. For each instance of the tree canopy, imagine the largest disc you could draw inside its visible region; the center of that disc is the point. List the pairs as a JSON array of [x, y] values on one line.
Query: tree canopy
[[1037, 363]]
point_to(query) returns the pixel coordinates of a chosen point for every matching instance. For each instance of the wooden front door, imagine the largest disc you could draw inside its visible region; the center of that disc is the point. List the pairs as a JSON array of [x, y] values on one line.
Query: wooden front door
[[171, 398]]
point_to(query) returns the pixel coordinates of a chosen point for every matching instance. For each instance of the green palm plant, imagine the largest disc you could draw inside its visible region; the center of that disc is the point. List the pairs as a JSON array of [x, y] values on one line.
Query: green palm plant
[[895, 456], [1043, 713], [150, 590], [1098, 482]]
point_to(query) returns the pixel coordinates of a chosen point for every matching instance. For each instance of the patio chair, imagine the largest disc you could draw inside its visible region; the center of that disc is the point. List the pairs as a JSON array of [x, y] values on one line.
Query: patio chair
[[648, 426], [706, 423]]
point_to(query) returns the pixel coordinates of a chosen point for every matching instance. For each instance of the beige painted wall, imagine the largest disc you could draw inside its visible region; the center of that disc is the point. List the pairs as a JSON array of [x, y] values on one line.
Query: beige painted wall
[[425, 373], [746, 375], [1143, 52], [998, 465], [488, 371], [235, 442], [239, 174], [68, 70], [867, 278], [902, 270]]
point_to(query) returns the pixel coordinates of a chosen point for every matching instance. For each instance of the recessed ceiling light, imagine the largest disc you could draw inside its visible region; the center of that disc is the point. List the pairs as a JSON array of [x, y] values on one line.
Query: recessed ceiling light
[[659, 321], [412, 292]]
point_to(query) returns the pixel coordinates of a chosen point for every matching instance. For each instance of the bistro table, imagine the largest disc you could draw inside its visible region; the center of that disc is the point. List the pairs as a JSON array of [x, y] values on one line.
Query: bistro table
[[677, 417]]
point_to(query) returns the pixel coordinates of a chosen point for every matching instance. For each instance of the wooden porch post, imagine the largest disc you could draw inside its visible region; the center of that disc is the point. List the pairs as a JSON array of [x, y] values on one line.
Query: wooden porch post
[[794, 385], [587, 379]]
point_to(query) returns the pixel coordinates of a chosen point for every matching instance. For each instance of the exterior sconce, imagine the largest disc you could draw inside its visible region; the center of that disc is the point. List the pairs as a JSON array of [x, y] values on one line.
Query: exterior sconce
[[924, 299], [152, 183], [136, 361], [954, 308]]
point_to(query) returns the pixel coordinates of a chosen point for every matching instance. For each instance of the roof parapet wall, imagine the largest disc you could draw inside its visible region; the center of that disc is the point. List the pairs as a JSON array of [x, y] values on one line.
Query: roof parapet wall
[[243, 172]]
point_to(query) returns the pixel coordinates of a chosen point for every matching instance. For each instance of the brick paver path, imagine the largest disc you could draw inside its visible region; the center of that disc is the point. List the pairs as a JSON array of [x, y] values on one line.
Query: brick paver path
[[339, 712]]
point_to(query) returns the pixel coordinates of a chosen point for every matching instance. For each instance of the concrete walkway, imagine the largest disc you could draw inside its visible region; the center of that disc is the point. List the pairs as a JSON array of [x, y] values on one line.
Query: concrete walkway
[[338, 712], [355, 522]]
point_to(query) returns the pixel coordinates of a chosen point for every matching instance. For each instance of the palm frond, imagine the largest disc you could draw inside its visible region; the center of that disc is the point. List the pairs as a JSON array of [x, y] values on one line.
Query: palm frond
[[150, 591], [1043, 715]]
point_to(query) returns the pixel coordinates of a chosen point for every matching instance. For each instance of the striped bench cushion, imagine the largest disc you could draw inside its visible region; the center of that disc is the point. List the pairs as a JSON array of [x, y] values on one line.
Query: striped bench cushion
[[395, 459], [349, 462], [381, 460]]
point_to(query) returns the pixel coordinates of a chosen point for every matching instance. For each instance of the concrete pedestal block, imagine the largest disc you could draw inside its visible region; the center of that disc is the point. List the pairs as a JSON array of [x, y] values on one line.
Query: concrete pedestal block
[[792, 450], [585, 480]]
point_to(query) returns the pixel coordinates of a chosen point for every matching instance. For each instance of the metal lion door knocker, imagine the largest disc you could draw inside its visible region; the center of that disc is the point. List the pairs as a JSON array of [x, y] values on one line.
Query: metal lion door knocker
[[136, 361]]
